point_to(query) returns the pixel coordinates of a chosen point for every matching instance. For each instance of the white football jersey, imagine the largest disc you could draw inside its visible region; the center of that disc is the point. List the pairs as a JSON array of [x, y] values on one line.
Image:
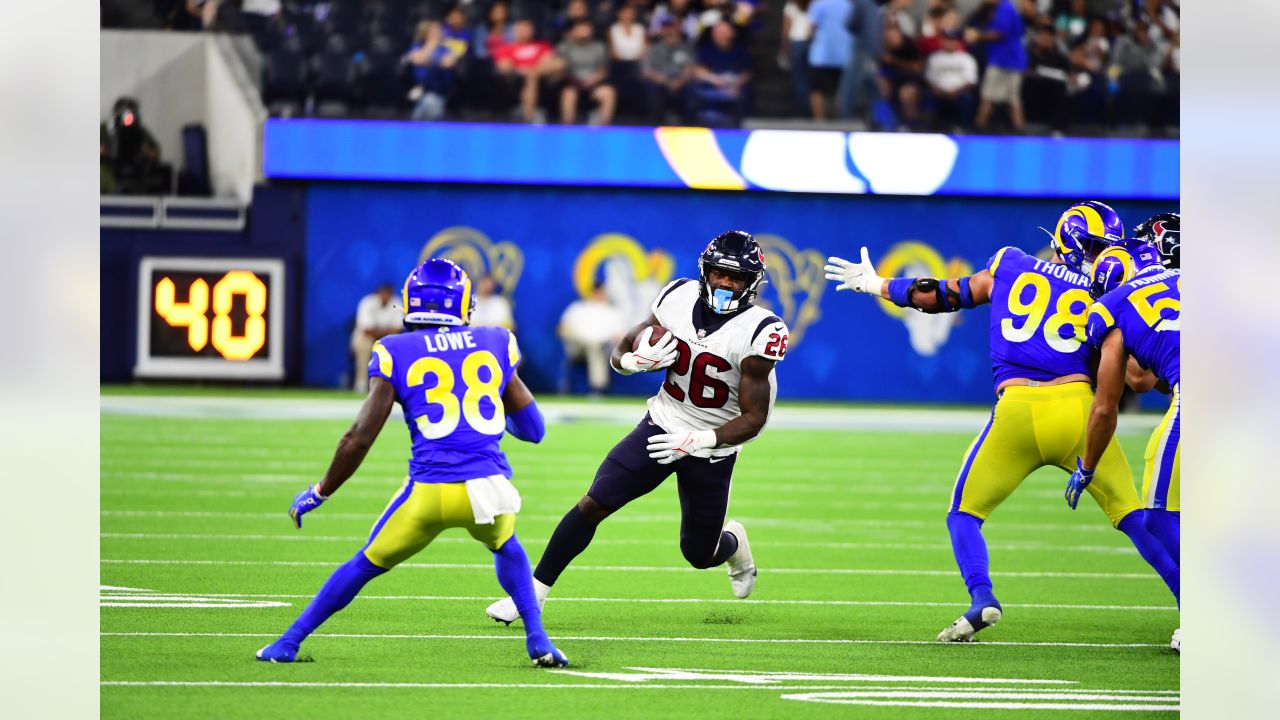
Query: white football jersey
[[701, 389]]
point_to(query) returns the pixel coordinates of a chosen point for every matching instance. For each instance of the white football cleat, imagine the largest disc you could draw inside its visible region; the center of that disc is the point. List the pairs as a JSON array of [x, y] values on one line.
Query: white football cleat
[[1176, 643], [742, 568], [505, 611], [963, 631]]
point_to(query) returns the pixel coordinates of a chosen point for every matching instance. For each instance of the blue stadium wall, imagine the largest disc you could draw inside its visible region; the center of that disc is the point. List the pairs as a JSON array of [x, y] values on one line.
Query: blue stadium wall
[[546, 245]]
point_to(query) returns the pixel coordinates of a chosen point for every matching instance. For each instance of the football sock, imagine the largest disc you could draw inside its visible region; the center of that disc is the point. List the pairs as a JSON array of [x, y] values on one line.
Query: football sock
[[571, 537], [970, 550], [1136, 525], [1167, 527], [728, 546], [336, 593], [512, 566]]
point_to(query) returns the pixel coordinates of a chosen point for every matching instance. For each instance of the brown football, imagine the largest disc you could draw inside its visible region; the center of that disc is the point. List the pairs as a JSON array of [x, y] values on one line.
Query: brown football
[[655, 338]]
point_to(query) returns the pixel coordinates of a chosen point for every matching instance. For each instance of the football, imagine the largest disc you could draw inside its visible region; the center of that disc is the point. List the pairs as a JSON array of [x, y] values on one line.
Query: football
[[655, 337]]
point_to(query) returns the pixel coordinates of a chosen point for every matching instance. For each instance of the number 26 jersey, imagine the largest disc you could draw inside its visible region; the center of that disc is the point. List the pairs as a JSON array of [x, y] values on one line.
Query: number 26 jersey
[[449, 382], [1038, 315], [701, 388]]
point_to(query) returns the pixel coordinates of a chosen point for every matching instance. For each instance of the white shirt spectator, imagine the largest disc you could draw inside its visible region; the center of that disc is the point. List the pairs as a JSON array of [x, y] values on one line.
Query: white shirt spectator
[[373, 316], [592, 322], [951, 71], [493, 311], [801, 25], [260, 7], [628, 42]]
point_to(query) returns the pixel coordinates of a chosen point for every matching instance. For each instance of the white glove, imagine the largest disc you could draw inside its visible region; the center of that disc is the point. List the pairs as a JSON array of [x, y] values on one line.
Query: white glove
[[669, 447], [859, 277], [649, 358]]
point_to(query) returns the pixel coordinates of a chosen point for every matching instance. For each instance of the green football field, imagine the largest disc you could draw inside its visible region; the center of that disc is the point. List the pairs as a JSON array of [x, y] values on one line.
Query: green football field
[[201, 567]]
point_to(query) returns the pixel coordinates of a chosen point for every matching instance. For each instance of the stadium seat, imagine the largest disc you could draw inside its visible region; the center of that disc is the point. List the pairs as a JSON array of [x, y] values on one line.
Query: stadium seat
[[381, 83], [193, 179], [332, 77], [284, 78]]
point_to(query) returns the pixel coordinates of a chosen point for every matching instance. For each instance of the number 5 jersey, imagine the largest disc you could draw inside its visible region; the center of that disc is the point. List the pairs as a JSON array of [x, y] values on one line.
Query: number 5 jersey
[[449, 382], [701, 387]]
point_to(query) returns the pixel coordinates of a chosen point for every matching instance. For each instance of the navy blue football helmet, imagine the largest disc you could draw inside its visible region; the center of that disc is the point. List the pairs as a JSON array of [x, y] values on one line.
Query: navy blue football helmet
[[438, 292], [736, 252], [1163, 232]]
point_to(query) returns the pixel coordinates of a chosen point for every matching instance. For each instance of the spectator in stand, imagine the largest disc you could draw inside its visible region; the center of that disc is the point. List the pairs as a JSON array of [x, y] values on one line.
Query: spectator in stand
[[793, 54], [952, 74], [1044, 89], [496, 31], [722, 85], [667, 68], [586, 74], [627, 43], [492, 309], [562, 24], [897, 13], [1088, 83], [1138, 60], [900, 76], [830, 51], [521, 65], [686, 19], [377, 315], [940, 18], [589, 328], [1073, 22], [1006, 61], [435, 55], [866, 25], [132, 153]]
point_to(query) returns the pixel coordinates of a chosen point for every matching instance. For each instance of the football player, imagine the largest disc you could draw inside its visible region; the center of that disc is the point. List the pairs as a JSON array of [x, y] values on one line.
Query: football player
[[719, 355], [459, 391], [1042, 385], [1138, 318]]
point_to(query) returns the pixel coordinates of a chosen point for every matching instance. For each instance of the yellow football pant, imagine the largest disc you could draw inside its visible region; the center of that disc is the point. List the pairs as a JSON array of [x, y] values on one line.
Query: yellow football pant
[[1030, 428], [1161, 473], [417, 514]]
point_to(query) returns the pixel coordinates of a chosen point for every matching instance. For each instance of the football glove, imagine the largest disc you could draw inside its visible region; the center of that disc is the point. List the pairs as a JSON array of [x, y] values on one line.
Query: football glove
[[305, 502], [859, 277], [669, 447], [1080, 480], [649, 357]]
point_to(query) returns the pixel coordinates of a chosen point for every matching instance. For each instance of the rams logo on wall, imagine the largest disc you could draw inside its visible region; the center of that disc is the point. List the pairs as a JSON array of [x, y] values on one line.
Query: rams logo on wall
[[478, 255], [795, 283], [632, 275], [910, 258]]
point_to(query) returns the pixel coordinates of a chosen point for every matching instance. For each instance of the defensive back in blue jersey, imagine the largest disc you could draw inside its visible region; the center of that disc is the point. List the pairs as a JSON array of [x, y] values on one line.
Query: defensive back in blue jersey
[[449, 382], [1038, 313], [1148, 312]]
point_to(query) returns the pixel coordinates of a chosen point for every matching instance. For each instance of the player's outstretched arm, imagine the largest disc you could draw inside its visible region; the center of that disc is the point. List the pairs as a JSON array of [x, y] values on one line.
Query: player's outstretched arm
[[524, 419], [929, 295], [654, 357], [352, 448]]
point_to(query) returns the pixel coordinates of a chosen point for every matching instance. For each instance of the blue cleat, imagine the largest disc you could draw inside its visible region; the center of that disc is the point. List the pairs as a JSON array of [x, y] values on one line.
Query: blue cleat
[[544, 654], [280, 651]]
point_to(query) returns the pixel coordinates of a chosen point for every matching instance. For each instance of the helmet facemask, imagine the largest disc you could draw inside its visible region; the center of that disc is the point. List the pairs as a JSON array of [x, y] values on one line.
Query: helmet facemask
[[727, 302]]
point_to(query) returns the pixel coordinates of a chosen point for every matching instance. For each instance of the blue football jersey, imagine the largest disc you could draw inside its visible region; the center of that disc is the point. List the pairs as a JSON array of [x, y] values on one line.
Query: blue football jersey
[[1148, 312], [1038, 314], [449, 382]]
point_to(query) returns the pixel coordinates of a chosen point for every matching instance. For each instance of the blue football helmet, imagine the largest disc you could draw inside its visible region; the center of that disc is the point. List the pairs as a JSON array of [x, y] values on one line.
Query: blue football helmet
[[1085, 230], [438, 292], [736, 252], [1119, 263], [1163, 232]]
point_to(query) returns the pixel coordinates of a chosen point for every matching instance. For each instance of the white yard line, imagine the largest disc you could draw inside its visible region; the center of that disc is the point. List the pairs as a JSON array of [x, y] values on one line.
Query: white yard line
[[642, 568], [572, 638], [698, 601]]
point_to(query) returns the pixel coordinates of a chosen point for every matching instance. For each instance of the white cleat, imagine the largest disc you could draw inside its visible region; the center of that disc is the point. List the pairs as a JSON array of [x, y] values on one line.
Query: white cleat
[[963, 631], [505, 611], [1176, 643], [742, 568]]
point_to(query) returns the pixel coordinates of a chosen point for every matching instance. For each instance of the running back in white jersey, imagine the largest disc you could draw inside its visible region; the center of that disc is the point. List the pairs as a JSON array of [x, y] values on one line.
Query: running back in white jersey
[[701, 389]]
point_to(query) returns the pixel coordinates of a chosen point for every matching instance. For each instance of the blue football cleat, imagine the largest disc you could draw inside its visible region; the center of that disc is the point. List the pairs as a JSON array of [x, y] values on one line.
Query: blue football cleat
[[544, 654], [279, 651]]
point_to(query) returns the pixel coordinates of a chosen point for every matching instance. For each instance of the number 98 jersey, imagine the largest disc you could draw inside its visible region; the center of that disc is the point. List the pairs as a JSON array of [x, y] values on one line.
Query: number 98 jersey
[[449, 382], [1038, 315], [701, 387]]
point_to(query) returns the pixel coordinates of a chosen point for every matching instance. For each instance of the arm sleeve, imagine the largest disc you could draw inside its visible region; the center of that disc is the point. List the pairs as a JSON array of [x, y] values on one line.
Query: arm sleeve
[[1099, 323], [769, 339], [380, 362], [527, 424]]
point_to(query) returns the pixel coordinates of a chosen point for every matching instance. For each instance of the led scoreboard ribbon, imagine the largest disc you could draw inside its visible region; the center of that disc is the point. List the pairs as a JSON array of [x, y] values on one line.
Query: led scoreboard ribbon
[[210, 318]]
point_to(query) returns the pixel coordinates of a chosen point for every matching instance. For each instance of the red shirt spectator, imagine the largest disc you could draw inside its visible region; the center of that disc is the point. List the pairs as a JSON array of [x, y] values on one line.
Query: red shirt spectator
[[522, 55]]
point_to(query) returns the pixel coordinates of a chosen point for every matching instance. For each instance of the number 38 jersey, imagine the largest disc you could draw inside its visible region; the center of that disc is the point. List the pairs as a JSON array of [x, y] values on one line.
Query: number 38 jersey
[[701, 387], [449, 382], [1038, 314]]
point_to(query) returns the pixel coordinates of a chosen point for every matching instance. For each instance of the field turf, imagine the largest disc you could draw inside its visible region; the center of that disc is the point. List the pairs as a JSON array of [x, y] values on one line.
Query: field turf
[[201, 567]]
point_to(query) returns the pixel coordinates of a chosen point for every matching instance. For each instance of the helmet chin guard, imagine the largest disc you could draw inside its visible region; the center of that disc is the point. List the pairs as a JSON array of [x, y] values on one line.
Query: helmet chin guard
[[734, 252]]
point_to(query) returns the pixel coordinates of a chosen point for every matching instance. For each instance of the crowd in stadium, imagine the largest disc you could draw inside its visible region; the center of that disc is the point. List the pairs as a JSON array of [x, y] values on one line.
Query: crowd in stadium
[[1060, 66]]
